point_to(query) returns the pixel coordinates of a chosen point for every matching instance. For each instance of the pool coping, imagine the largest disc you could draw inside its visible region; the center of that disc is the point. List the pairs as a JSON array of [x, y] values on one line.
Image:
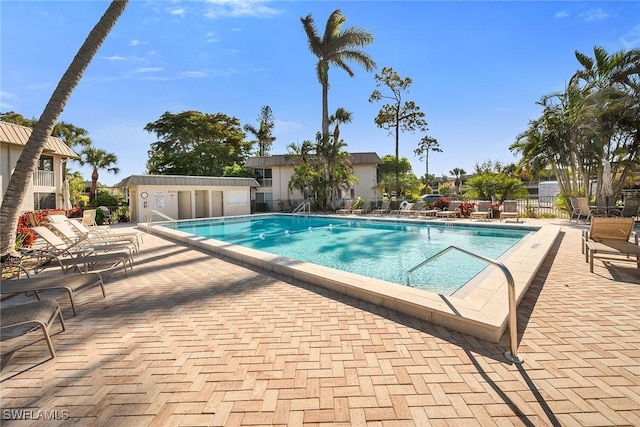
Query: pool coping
[[481, 311]]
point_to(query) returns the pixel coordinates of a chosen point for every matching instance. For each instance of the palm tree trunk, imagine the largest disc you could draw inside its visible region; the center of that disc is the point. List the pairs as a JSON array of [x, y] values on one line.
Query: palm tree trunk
[[26, 165]]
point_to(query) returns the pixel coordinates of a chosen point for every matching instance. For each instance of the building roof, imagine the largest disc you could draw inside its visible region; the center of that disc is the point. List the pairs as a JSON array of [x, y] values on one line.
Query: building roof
[[19, 135], [285, 160], [211, 181]]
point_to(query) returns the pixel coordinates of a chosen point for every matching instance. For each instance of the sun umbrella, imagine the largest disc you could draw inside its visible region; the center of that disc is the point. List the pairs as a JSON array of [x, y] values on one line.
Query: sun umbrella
[[66, 198], [606, 190]]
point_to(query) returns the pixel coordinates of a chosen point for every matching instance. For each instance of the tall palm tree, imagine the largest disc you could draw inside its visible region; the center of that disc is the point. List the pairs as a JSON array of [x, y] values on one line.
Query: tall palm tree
[[335, 47], [98, 159], [458, 173], [72, 136], [28, 160]]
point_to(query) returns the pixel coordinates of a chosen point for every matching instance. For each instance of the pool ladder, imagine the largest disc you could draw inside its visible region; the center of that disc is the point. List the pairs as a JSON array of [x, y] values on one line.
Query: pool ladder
[[160, 214], [512, 355], [302, 207]]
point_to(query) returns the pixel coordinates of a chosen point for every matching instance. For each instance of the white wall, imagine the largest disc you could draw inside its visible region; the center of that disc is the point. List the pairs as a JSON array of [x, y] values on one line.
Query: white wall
[[164, 199], [9, 154]]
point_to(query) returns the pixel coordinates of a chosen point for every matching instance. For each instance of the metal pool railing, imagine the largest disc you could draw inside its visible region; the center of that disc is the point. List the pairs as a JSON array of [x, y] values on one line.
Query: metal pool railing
[[160, 214], [512, 355]]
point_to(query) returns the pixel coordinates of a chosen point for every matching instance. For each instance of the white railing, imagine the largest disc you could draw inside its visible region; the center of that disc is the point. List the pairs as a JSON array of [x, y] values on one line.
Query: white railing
[[153, 212], [266, 182], [512, 355], [43, 179], [302, 207]]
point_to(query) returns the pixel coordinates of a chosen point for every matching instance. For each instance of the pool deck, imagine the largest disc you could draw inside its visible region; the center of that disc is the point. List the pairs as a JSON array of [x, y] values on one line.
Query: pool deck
[[195, 339]]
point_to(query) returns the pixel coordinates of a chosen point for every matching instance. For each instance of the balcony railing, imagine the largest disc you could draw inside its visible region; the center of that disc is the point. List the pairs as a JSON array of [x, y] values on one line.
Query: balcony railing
[[43, 179], [266, 182]]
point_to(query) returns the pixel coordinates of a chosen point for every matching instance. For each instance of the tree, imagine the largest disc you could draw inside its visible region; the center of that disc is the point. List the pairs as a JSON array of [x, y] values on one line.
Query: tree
[[393, 171], [427, 143], [596, 118], [98, 159], [239, 171], [336, 47], [264, 139], [458, 173], [398, 116], [488, 186], [27, 162], [195, 143], [17, 119]]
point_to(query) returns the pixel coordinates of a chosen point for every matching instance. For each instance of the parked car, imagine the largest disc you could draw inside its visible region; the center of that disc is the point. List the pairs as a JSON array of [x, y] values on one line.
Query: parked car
[[430, 198]]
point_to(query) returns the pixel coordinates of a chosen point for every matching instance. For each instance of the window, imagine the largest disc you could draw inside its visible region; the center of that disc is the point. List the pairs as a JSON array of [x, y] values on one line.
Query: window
[[43, 201], [45, 163], [265, 177]]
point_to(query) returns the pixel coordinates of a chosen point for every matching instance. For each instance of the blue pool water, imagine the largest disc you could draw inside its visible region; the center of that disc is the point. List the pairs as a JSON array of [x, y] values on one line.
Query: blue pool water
[[384, 250]]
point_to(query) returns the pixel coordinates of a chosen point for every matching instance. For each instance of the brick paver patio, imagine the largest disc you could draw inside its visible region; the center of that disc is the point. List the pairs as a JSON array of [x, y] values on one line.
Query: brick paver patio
[[193, 339]]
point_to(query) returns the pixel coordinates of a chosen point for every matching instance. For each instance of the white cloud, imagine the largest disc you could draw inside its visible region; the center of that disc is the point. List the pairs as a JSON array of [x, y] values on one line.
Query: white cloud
[[593, 15], [178, 11], [211, 37], [239, 8], [631, 40], [114, 58], [148, 70], [561, 14], [134, 42], [193, 74]]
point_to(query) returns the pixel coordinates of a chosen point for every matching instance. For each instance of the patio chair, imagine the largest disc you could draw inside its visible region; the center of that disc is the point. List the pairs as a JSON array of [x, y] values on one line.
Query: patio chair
[[509, 210], [575, 209], [384, 208], [347, 207], [35, 285], [484, 211], [363, 209], [404, 207], [585, 211], [40, 313], [631, 207], [104, 245], [608, 238], [82, 259], [100, 232], [106, 213], [451, 211], [417, 208]]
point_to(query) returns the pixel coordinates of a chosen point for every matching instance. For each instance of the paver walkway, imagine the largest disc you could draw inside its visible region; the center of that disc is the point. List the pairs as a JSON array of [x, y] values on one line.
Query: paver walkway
[[192, 339]]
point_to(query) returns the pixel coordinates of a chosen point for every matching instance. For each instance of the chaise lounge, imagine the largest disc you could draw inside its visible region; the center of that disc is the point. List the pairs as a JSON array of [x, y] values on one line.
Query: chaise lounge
[[608, 238]]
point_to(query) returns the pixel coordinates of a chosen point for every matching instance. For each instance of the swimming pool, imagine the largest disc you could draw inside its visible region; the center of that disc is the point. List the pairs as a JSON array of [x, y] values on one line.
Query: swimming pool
[[378, 249], [480, 308]]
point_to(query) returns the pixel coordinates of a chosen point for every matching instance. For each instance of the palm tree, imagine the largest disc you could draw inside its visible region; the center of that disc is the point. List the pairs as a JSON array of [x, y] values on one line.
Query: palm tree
[[336, 159], [263, 132], [26, 164], [336, 46], [98, 159], [458, 173]]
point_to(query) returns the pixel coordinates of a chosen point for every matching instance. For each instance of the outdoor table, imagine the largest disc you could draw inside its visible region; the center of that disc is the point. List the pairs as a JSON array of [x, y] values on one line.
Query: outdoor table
[[609, 210]]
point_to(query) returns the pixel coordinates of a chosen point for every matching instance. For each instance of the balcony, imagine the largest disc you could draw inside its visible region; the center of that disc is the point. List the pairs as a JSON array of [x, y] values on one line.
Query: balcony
[[43, 179], [265, 182]]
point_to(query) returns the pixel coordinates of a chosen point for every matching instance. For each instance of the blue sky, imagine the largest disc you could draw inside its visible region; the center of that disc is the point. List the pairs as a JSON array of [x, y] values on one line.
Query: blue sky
[[478, 68]]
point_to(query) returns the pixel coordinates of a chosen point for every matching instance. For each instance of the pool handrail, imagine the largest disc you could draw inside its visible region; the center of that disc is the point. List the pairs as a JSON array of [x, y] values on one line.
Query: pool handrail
[[512, 355], [160, 214], [302, 207]]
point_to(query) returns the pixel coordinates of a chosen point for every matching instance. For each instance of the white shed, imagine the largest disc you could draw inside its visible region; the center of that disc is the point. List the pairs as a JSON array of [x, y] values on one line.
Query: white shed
[[187, 197]]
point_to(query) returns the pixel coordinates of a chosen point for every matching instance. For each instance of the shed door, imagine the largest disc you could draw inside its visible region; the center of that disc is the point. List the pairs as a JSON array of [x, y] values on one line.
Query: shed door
[[216, 201], [184, 205]]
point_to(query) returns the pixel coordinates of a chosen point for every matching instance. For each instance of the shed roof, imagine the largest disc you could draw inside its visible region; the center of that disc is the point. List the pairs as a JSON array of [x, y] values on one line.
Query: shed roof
[[211, 181], [285, 160], [19, 135]]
